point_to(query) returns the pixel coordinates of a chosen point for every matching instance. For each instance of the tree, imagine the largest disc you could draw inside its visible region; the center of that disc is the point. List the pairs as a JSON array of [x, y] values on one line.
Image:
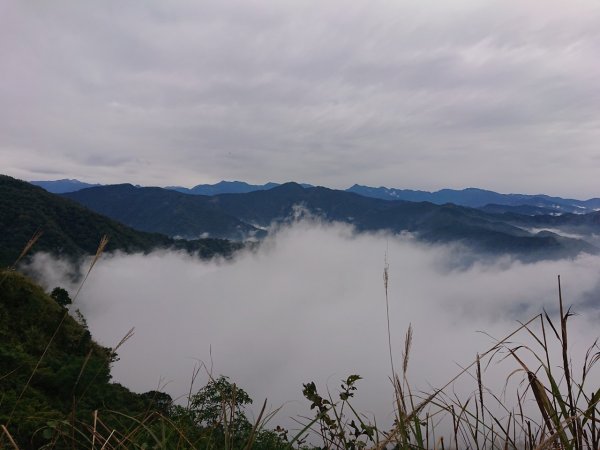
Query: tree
[[158, 401], [61, 296], [216, 416], [221, 403]]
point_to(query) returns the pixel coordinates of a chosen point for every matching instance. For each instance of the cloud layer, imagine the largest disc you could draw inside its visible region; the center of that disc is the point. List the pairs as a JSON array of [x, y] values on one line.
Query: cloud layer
[[310, 305], [403, 94]]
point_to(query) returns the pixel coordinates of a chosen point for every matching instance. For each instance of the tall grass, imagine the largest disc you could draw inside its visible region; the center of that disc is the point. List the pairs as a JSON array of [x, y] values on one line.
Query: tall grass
[[554, 404]]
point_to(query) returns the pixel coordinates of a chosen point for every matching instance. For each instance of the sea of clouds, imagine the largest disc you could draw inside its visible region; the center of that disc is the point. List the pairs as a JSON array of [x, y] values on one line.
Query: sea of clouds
[[309, 305]]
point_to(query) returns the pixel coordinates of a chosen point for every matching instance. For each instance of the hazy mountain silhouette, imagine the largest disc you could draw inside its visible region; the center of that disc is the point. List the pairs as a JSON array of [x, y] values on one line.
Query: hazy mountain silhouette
[[156, 209]]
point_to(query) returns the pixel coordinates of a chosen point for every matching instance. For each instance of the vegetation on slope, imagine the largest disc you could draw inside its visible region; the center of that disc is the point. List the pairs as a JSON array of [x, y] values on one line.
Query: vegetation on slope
[[72, 230], [56, 390], [72, 379]]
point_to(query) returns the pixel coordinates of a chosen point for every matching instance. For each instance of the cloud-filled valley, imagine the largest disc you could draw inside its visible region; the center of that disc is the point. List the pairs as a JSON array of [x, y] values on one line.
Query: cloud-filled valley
[[309, 305]]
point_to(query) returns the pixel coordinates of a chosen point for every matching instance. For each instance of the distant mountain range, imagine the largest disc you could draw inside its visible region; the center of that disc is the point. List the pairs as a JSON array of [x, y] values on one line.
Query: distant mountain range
[[540, 229], [226, 187], [480, 198], [62, 186], [238, 216], [486, 200], [222, 187]]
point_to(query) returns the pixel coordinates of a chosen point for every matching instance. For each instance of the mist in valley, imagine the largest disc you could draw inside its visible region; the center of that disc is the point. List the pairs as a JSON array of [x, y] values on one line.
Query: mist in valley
[[309, 305]]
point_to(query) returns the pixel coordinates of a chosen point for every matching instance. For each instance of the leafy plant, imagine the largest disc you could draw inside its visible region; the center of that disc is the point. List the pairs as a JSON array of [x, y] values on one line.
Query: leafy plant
[[340, 426]]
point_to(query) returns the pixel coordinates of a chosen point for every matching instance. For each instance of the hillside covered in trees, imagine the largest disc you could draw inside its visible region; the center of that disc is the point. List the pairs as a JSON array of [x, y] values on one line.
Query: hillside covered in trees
[[71, 230], [57, 392]]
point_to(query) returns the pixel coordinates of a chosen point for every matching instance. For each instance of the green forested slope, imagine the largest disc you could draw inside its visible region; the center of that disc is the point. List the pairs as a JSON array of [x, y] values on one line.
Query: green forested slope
[[72, 379], [56, 390], [163, 211], [70, 229]]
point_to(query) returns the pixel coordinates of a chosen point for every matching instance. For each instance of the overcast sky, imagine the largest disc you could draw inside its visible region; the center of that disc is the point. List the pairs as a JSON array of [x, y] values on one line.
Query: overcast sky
[[412, 94]]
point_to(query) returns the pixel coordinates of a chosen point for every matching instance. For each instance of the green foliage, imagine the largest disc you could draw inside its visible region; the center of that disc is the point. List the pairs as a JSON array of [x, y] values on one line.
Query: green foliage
[[338, 427], [158, 401], [219, 409], [218, 399], [73, 378], [61, 296]]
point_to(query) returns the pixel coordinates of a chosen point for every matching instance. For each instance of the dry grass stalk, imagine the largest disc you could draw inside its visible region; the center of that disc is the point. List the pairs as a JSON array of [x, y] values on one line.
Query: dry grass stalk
[[386, 279], [104, 439], [255, 427], [107, 439], [480, 387], [9, 437], [539, 393], [95, 423], [101, 246], [25, 250], [390, 436], [28, 246], [125, 338], [407, 346]]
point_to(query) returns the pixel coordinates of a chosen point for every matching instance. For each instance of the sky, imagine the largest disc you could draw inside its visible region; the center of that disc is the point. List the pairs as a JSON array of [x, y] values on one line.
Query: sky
[[309, 305], [415, 94]]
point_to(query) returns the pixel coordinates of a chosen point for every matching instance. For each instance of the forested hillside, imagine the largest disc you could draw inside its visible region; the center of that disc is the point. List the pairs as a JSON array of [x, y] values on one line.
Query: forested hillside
[[72, 230], [56, 389]]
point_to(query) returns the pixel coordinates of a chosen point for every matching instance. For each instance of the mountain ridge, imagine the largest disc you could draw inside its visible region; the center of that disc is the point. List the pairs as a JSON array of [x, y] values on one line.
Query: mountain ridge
[[159, 210], [480, 198], [496, 233], [62, 186], [471, 196]]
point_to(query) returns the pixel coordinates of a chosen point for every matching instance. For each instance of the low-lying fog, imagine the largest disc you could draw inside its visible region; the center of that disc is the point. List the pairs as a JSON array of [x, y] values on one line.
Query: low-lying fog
[[309, 305]]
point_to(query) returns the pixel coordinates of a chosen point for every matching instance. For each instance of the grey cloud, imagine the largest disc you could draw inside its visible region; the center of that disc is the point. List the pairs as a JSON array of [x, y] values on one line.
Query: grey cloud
[[369, 90]]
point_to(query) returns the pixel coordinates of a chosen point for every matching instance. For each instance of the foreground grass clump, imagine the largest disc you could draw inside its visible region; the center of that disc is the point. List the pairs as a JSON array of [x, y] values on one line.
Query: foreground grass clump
[[555, 405]]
